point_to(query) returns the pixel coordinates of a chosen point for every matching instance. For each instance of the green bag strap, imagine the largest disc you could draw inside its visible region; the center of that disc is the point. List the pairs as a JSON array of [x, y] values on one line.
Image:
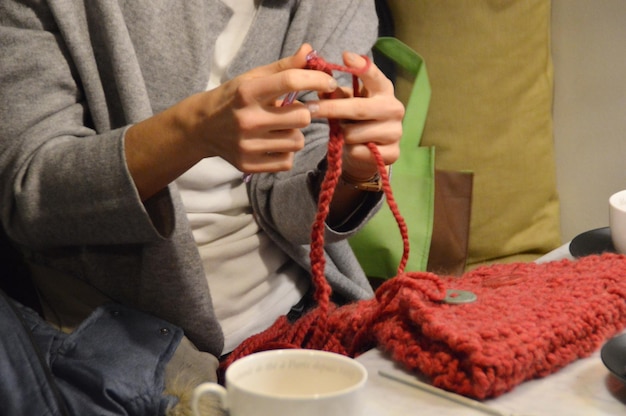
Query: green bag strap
[[419, 100], [378, 246]]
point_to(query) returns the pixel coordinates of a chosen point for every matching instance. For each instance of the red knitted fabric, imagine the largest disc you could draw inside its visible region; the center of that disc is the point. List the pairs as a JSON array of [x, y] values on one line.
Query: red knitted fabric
[[528, 321]]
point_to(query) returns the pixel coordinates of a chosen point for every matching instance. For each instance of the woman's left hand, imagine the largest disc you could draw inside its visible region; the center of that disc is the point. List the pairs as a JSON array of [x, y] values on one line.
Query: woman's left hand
[[374, 115]]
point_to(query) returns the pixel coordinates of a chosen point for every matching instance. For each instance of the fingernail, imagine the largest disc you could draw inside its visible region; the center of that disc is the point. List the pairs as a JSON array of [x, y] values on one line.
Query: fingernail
[[311, 55], [313, 107], [353, 59], [332, 84]]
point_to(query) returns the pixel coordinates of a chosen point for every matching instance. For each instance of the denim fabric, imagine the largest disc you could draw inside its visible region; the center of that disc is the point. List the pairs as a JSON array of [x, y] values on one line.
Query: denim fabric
[[24, 384], [112, 364]]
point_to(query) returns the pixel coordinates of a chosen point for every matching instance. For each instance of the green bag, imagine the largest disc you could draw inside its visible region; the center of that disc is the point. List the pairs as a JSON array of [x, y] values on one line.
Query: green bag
[[379, 246]]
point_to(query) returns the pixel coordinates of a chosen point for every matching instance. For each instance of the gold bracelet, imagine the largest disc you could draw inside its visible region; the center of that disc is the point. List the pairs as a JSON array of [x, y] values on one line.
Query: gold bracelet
[[373, 184]]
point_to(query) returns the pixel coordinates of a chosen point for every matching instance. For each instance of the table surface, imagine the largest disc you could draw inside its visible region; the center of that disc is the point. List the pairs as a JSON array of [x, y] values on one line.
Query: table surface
[[583, 388]]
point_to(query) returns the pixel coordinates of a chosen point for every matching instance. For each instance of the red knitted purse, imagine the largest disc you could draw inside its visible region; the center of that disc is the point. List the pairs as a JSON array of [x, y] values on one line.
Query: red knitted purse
[[528, 320]]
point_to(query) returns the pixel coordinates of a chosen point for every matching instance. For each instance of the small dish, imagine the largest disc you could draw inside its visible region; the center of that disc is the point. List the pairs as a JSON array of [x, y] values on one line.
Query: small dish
[[596, 241], [613, 354]]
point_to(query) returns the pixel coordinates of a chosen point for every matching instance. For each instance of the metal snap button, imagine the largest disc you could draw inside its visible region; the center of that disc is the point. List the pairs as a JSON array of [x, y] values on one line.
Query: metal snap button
[[454, 296]]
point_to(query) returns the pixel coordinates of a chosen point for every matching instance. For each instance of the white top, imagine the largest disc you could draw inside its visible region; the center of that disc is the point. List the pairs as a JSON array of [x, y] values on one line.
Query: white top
[[252, 281]]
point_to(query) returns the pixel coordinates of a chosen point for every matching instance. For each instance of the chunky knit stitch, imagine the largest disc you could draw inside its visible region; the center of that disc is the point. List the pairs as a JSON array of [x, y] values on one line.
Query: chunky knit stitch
[[529, 320]]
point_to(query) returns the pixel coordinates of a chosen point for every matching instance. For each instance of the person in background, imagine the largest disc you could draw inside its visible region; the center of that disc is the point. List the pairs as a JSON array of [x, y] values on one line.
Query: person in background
[[127, 130]]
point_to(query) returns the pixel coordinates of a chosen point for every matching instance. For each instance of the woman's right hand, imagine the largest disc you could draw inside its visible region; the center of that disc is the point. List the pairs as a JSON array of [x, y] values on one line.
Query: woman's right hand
[[241, 121]]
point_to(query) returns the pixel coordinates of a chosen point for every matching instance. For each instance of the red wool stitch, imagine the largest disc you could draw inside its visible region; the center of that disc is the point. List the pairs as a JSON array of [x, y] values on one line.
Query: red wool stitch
[[529, 320]]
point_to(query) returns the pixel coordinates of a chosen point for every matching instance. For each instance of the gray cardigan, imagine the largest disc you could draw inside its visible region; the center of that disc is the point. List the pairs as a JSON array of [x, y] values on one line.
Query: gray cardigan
[[74, 75]]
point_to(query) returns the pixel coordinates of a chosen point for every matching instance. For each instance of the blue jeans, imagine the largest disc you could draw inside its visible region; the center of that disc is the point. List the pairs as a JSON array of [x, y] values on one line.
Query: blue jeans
[[112, 364]]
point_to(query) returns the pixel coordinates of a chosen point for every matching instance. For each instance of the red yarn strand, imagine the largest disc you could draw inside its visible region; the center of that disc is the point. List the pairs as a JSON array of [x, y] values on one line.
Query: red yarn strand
[[312, 329]]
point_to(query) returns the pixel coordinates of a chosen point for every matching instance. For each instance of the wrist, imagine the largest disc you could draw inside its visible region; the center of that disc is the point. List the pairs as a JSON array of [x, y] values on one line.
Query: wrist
[[373, 183]]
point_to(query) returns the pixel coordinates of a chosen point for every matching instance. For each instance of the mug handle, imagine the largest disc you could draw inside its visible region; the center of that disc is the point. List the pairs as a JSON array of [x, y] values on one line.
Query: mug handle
[[207, 388]]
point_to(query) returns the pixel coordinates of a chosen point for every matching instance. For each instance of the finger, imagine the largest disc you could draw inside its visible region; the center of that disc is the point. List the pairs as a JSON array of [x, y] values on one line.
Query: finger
[[373, 79], [257, 121], [280, 141], [359, 159], [381, 133], [290, 80], [268, 89], [358, 109], [354, 109], [268, 162], [284, 76]]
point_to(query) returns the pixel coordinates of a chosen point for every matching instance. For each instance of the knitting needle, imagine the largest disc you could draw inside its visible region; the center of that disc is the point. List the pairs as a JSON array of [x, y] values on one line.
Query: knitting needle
[[411, 381], [289, 99]]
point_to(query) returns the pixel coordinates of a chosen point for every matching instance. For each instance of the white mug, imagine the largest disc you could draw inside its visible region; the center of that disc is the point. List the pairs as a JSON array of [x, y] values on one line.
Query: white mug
[[287, 383], [617, 220]]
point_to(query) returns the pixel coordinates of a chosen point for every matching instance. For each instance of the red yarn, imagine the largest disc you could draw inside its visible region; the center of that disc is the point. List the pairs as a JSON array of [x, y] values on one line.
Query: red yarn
[[528, 321], [312, 329]]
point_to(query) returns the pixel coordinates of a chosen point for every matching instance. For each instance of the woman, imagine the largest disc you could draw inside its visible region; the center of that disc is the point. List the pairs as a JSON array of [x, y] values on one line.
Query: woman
[[125, 133]]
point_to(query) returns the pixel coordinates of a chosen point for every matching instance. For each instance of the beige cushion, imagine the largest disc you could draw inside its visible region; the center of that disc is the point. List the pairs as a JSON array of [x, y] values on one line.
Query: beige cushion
[[490, 68]]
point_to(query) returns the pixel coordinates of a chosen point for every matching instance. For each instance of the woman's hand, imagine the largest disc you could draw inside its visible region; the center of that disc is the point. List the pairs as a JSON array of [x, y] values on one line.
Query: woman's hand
[[255, 133], [373, 115], [240, 121]]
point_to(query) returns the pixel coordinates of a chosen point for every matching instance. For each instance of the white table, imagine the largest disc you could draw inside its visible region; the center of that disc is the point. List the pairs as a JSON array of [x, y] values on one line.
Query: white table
[[583, 388]]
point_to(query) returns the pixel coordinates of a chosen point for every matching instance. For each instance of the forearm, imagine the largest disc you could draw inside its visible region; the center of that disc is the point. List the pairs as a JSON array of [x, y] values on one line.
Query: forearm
[[158, 151]]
